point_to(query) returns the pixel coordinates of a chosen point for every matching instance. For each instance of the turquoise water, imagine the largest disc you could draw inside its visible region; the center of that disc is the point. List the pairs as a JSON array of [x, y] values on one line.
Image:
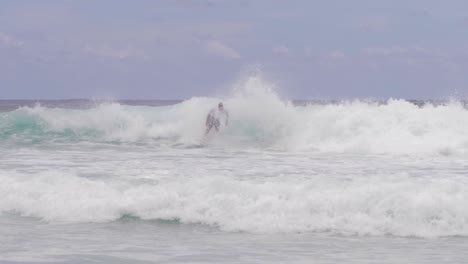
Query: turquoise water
[[353, 182]]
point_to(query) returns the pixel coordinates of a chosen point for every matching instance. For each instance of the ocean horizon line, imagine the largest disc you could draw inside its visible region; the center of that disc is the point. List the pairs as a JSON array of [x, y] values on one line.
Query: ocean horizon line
[[364, 99]]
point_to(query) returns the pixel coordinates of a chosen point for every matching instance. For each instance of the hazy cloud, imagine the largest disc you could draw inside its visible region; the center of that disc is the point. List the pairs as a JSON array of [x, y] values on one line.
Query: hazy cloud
[[58, 43], [220, 49], [398, 51], [200, 3], [9, 41], [36, 14], [281, 50], [375, 24], [308, 51], [337, 55], [115, 53]]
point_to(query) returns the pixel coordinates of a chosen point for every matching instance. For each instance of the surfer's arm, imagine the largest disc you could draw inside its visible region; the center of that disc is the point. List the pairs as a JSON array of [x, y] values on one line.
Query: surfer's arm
[[207, 119], [227, 118]]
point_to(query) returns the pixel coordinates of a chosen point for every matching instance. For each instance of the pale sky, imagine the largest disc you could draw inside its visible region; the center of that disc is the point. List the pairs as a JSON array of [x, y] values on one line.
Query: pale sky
[[158, 49]]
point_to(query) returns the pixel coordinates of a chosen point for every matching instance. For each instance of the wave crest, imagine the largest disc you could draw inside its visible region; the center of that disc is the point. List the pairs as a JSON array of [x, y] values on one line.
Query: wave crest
[[259, 118]]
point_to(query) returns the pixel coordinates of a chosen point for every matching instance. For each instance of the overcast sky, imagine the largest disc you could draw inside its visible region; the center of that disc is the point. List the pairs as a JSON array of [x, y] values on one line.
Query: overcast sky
[[147, 49]]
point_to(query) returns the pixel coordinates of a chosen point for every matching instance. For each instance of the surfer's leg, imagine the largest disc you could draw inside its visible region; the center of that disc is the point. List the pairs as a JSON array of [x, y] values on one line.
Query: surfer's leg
[[208, 128]]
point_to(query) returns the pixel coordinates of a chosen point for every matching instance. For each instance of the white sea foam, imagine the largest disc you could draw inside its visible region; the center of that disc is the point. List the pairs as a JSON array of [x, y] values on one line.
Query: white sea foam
[[354, 167], [260, 118], [399, 205]]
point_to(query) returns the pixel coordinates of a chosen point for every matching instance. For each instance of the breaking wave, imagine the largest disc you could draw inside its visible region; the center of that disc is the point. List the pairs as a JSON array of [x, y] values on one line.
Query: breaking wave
[[259, 118], [401, 206], [288, 194]]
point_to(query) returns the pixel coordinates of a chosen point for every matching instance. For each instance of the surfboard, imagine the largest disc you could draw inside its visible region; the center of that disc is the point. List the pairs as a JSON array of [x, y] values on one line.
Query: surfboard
[[210, 136], [207, 138]]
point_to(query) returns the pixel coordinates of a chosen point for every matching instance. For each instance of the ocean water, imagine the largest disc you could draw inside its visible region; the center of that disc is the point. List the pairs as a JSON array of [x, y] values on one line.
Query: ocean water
[[330, 182]]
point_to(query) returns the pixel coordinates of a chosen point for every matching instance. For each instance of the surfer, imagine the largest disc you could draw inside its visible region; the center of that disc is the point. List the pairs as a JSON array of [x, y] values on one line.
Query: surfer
[[214, 118]]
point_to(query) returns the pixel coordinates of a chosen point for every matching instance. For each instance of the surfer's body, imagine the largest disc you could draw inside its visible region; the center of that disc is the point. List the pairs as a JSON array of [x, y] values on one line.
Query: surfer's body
[[216, 117]]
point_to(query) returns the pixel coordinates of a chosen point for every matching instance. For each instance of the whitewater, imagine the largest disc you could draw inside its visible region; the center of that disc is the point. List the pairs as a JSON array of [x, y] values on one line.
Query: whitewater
[[298, 182]]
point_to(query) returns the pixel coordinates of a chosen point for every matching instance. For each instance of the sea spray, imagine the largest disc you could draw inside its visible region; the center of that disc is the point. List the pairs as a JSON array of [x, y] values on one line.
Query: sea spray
[[258, 118], [349, 168]]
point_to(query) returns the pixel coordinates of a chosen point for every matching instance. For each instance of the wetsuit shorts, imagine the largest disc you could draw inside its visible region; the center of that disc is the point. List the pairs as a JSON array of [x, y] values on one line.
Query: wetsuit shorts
[[213, 122]]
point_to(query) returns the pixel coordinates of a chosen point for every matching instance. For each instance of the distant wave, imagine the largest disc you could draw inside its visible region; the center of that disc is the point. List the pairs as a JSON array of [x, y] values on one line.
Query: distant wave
[[259, 118]]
